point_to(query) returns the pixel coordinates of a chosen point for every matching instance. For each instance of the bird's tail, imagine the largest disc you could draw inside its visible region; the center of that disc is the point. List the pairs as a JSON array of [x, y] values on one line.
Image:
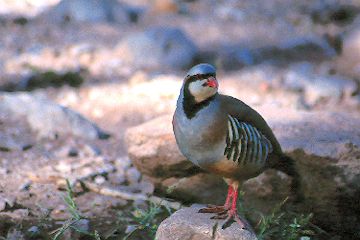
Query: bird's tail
[[287, 165]]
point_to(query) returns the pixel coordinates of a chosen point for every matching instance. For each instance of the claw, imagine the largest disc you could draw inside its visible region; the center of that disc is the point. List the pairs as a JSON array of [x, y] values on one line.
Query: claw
[[222, 216], [232, 216], [212, 209]]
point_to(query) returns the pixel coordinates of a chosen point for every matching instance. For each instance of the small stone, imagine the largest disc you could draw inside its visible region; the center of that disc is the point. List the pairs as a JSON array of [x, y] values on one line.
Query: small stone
[[18, 214], [117, 178], [4, 171], [34, 231], [2, 204], [82, 225], [63, 167], [90, 151], [8, 144], [133, 175], [123, 162], [130, 228], [99, 180], [6, 201], [73, 152], [146, 187], [15, 235], [26, 186]]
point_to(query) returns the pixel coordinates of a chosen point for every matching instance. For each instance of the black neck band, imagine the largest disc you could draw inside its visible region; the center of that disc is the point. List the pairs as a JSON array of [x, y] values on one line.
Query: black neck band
[[190, 106]]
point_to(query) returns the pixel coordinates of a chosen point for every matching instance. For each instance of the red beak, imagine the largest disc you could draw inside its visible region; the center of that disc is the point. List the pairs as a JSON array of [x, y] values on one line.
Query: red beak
[[211, 82]]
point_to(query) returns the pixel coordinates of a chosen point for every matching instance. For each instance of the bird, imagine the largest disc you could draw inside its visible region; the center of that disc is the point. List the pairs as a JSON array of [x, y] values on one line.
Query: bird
[[224, 136]]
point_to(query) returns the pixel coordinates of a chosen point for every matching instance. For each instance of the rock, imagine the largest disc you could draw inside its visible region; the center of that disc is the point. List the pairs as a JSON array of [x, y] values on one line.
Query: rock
[[157, 47], [165, 6], [229, 12], [348, 62], [47, 118], [334, 13], [8, 144], [146, 187], [33, 231], [2, 204], [83, 225], [133, 175], [89, 11], [6, 201], [25, 186], [271, 187], [99, 180], [187, 223], [44, 80], [153, 150], [18, 214], [194, 188], [317, 87], [15, 235], [325, 146]]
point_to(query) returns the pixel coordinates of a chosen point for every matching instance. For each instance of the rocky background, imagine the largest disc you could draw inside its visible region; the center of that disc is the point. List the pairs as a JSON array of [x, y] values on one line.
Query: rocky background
[[87, 89]]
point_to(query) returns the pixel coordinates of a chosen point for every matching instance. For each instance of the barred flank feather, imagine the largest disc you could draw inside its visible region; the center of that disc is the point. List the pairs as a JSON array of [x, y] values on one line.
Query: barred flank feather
[[245, 144]]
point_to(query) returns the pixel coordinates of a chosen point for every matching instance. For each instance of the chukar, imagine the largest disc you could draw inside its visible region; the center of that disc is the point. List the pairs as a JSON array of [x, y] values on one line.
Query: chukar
[[224, 136]]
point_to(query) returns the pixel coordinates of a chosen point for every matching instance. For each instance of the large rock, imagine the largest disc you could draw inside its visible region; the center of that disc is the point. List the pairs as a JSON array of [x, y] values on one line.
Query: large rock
[[47, 118], [89, 11], [317, 87], [158, 47], [325, 146], [188, 224]]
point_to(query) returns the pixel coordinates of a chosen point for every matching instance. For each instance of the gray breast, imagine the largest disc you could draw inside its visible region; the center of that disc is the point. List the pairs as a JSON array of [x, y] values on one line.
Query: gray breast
[[191, 134], [245, 144]]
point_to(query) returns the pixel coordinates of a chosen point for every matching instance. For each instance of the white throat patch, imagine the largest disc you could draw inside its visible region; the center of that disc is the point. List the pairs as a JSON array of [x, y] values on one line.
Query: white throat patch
[[201, 92]]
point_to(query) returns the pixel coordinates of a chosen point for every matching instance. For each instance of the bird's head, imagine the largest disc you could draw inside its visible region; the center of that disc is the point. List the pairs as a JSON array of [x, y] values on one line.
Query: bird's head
[[201, 82]]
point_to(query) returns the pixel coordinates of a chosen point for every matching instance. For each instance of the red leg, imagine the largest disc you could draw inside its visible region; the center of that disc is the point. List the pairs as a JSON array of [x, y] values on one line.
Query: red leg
[[232, 213], [220, 209], [228, 197]]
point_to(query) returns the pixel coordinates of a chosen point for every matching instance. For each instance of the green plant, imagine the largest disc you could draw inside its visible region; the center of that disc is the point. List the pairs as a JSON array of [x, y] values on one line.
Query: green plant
[[75, 218], [145, 221], [284, 225]]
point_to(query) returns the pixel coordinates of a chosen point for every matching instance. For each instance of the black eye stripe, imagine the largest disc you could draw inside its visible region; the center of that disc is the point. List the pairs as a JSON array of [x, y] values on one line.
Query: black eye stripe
[[199, 77]]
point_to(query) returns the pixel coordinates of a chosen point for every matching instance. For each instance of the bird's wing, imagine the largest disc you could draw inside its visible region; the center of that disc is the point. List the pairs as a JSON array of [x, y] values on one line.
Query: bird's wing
[[246, 116], [246, 144]]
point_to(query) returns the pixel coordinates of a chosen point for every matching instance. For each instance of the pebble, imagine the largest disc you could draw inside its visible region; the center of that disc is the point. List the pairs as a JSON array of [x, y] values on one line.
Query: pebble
[[82, 225], [133, 175], [33, 231], [15, 235], [117, 178], [99, 180], [25, 186]]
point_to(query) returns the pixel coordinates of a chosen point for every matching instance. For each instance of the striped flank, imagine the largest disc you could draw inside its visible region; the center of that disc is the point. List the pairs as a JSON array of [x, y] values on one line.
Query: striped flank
[[246, 144]]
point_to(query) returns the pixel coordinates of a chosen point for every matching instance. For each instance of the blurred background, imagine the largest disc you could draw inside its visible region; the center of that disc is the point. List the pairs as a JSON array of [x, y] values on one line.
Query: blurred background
[[76, 77]]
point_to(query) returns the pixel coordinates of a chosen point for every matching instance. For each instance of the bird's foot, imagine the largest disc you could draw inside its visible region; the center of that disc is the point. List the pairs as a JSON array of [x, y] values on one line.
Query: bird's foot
[[233, 216], [230, 216], [213, 209]]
